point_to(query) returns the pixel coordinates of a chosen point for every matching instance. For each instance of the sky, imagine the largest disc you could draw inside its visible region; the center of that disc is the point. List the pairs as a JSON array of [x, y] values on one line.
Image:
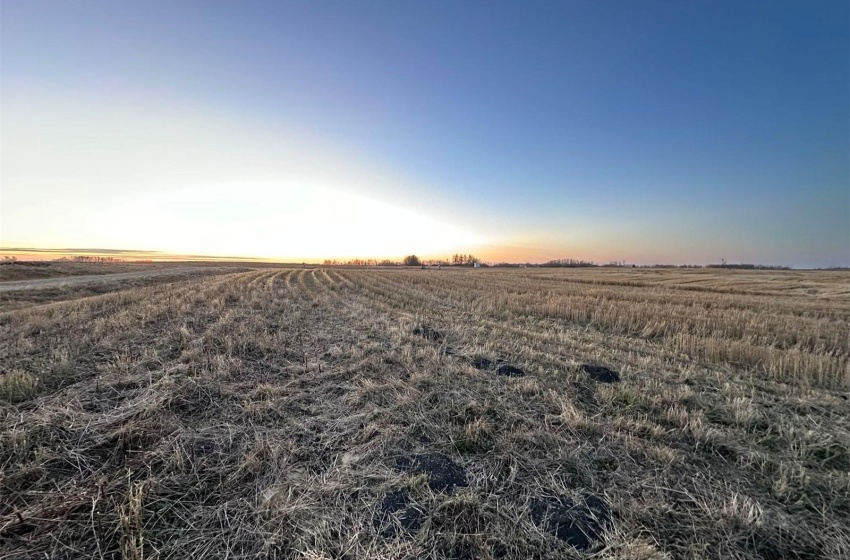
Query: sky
[[650, 132]]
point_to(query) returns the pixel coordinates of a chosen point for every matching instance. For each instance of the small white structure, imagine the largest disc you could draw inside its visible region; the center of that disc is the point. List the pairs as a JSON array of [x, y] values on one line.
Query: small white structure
[[477, 265]]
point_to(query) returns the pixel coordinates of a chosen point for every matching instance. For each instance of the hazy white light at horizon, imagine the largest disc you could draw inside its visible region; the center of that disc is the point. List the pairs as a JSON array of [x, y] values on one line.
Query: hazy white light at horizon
[[279, 220], [185, 181]]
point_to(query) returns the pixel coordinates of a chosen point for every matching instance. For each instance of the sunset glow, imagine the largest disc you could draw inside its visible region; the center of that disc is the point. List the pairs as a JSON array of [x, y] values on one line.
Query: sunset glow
[[299, 222], [304, 132]]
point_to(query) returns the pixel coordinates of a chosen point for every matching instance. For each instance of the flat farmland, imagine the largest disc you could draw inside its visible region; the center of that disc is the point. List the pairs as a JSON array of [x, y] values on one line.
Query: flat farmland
[[405, 413]]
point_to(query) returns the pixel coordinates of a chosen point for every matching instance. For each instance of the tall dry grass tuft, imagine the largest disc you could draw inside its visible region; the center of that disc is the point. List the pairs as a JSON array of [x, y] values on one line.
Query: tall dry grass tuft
[[17, 386], [131, 527]]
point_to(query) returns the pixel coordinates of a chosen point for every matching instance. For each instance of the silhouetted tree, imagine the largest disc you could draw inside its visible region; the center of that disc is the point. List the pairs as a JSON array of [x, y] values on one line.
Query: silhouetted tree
[[459, 259], [411, 260]]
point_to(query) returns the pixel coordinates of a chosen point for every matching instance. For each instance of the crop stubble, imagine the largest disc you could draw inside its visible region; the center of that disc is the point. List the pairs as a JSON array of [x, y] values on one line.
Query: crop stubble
[[288, 413]]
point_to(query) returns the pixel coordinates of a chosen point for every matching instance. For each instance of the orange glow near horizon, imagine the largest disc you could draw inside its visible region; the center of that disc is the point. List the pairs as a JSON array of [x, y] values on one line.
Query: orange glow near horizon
[[489, 254]]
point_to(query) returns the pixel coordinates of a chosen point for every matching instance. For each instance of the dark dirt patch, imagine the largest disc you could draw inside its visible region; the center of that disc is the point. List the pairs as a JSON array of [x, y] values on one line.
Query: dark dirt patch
[[480, 362], [429, 333], [578, 525], [600, 373], [397, 516], [444, 475], [509, 370]]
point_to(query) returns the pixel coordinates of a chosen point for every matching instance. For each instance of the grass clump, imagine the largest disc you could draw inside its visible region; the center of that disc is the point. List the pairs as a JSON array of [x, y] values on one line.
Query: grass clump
[[18, 386]]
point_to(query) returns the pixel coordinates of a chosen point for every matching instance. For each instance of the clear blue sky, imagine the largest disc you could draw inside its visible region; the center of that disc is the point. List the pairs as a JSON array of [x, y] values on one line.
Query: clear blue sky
[[641, 131]]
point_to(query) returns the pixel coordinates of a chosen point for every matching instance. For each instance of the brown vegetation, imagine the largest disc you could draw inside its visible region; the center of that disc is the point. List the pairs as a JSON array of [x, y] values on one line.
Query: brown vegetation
[[66, 285], [342, 413], [29, 270]]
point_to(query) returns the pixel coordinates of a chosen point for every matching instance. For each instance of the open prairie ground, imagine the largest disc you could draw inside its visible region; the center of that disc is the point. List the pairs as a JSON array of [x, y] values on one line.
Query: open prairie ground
[[38, 284], [36, 270], [491, 413]]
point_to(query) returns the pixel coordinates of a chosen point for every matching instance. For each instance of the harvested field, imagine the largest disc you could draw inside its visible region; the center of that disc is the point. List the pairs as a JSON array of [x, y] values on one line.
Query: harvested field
[[25, 293], [35, 270], [490, 413]]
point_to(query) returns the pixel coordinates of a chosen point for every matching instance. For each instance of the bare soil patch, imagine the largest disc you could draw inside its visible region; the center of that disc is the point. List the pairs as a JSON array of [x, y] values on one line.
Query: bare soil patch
[[429, 333], [600, 373], [580, 524], [444, 474], [398, 516]]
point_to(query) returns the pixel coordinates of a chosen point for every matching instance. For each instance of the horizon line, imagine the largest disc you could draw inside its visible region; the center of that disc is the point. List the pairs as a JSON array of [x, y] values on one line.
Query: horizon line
[[162, 256]]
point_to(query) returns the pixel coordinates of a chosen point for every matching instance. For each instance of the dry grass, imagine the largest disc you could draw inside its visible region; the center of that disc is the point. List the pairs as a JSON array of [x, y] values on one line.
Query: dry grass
[[38, 270], [281, 414], [105, 278], [32, 270]]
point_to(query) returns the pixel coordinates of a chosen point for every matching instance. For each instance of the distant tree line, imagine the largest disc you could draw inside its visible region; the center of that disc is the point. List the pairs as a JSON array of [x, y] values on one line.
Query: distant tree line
[[573, 263], [82, 258], [464, 260], [409, 260], [361, 262], [568, 263], [460, 259], [90, 259], [745, 266], [357, 262]]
